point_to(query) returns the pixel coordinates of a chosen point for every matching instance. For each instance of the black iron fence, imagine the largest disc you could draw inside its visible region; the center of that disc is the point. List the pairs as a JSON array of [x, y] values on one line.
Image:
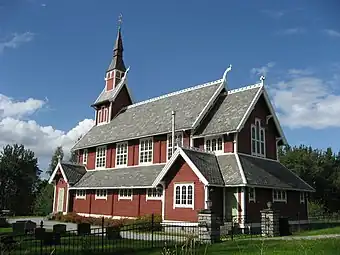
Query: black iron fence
[[100, 240]]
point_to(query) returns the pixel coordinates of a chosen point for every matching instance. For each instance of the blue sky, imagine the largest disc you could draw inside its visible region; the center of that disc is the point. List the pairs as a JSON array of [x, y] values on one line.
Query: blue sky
[[53, 57]]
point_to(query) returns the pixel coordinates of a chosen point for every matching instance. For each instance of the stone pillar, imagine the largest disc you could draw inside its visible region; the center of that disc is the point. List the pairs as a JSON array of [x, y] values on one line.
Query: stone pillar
[[270, 222], [208, 227]]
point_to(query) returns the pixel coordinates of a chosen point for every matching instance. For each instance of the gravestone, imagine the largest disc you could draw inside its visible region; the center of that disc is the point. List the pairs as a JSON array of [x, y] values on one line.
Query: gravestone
[[39, 233], [51, 238], [83, 228], [23, 227], [59, 228], [113, 233]]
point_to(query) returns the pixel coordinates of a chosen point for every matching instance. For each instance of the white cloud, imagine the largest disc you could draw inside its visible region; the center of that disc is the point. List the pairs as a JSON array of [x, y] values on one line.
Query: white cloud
[[263, 70], [41, 139], [331, 32], [299, 72], [12, 108], [306, 100], [15, 41], [292, 31]]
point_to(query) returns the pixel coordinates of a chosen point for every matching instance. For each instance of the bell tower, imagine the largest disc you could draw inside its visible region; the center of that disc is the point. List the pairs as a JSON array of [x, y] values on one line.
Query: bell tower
[[116, 69]]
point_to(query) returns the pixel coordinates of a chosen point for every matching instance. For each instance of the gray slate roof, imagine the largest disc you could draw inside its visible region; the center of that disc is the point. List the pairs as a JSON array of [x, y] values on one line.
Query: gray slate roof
[[207, 164], [228, 111], [106, 95], [142, 176], [271, 173], [229, 169], [152, 117], [73, 172]]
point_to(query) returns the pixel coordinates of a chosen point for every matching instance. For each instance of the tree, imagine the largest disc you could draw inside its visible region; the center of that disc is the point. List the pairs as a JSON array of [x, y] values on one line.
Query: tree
[[19, 174], [58, 153], [44, 199]]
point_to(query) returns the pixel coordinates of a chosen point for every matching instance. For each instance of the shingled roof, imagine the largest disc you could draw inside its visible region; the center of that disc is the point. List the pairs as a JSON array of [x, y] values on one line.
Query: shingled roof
[[153, 116], [73, 172], [270, 173], [138, 176], [229, 110]]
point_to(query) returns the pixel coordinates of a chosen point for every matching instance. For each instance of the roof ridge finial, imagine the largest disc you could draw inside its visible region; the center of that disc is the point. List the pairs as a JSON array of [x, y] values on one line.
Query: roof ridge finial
[[59, 158], [262, 78], [224, 78], [120, 20]]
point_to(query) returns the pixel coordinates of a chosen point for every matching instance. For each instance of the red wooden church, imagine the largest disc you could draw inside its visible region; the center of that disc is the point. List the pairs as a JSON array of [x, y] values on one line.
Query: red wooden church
[[179, 153]]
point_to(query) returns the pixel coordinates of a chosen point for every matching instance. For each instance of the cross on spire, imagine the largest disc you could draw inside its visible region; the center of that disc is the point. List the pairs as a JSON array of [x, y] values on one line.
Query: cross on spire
[[120, 20]]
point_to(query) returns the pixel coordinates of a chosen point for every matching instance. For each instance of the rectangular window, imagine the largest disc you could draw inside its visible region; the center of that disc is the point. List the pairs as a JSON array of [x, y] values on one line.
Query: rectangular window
[[178, 142], [125, 194], [279, 196], [251, 194], [121, 154], [302, 197], [85, 156], [103, 115], [258, 140], [184, 196], [214, 144], [154, 194], [145, 151], [80, 194], [101, 194], [101, 157]]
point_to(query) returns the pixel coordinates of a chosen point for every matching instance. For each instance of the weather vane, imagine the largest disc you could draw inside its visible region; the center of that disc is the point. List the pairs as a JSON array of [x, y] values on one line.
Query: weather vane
[[120, 20]]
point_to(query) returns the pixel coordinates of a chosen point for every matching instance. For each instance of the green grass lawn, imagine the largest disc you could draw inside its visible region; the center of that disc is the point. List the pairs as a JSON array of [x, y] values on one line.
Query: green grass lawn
[[277, 247], [5, 230], [325, 231]]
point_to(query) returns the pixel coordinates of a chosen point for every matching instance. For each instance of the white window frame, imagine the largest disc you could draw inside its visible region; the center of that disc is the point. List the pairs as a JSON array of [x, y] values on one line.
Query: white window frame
[[251, 199], [85, 156], [210, 140], [103, 111], [122, 154], [257, 140], [100, 194], [97, 151], [81, 194], [276, 193], [302, 197], [153, 194], [169, 142], [140, 151], [122, 196], [180, 205]]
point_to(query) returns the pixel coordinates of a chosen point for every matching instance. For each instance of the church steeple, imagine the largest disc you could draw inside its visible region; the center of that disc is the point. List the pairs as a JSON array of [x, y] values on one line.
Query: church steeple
[[117, 68]]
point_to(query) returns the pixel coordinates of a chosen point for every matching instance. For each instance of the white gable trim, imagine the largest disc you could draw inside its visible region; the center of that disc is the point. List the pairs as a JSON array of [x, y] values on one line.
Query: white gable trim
[[167, 167], [55, 172], [208, 106], [244, 180], [271, 109]]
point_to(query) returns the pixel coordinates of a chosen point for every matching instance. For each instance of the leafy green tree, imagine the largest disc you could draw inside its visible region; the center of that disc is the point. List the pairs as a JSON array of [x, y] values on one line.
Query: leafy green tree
[[58, 153], [44, 199], [19, 174]]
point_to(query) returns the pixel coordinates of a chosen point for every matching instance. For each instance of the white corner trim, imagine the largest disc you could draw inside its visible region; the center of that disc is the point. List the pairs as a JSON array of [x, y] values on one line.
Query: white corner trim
[[207, 106], [206, 196], [250, 108], [235, 143], [243, 202], [58, 166], [166, 168], [67, 197], [54, 195], [244, 180], [276, 120]]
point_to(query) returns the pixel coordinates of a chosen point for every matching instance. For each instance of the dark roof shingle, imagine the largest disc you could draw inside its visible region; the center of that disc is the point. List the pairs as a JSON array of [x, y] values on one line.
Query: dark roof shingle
[[73, 172], [141, 176], [207, 164], [271, 173], [153, 116]]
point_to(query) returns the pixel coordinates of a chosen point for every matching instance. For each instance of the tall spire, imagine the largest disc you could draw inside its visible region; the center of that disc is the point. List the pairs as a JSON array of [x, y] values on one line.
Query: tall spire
[[117, 61]]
